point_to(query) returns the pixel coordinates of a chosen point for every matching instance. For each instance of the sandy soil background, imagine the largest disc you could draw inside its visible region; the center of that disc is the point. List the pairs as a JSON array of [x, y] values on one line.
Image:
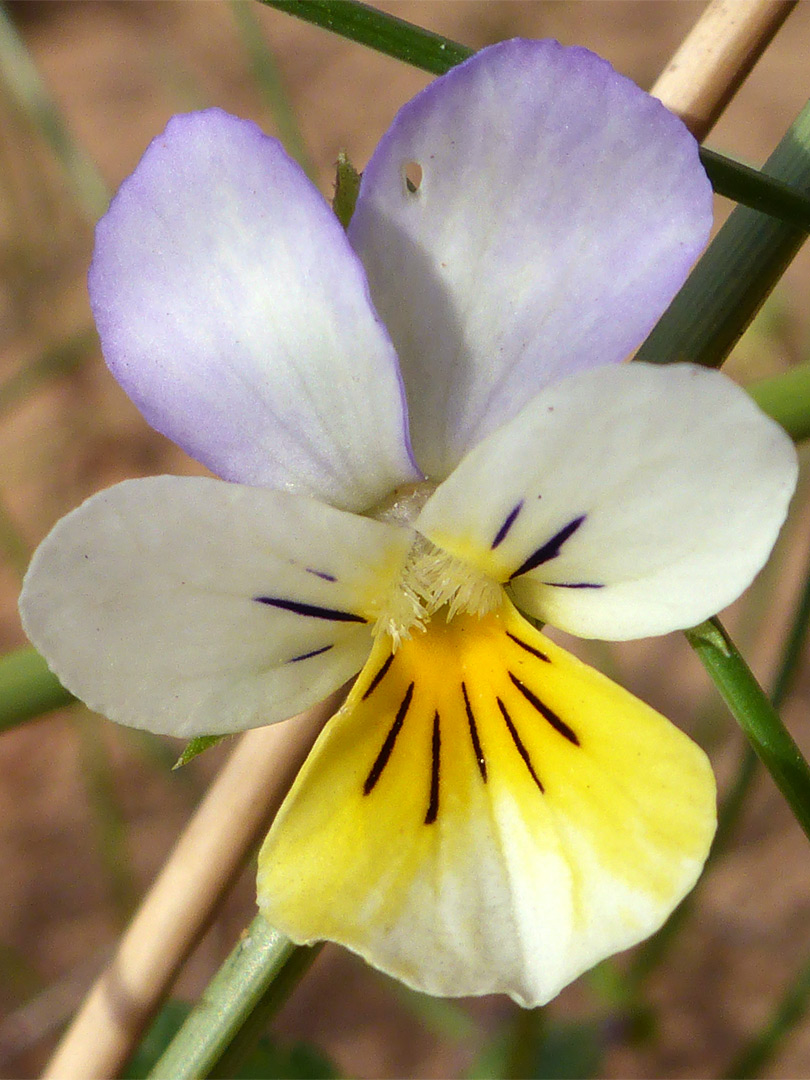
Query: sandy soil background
[[118, 71]]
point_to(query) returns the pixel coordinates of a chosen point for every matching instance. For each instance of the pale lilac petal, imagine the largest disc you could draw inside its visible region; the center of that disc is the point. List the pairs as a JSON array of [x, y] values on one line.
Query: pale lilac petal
[[190, 606], [234, 313], [622, 502], [559, 210]]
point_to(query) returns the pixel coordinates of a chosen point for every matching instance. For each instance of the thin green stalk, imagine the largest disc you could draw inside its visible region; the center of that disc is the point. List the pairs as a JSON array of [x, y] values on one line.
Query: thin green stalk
[[265, 72], [22, 77], [736, 272], [742, 184], [12, 544], [446, 1018], [421, 48], [759, 1051], [58, 360], [386, 33], [28, 689], [247, 990], [649, 956], [527, 1033], [108, 818], [787, 399], [756, 716], [30, 204], [792, 656], [232, 1062]]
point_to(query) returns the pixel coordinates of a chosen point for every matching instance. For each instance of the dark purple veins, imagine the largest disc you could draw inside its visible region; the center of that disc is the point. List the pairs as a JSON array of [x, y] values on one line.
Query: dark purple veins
[[529, 648], [547, 713], [551, 549], [387, 747], [521, 749], [321, 574], [309, 655], [435, 765], [476, 742], [313, 611], [509, 521], [378, 678], [575, 584]]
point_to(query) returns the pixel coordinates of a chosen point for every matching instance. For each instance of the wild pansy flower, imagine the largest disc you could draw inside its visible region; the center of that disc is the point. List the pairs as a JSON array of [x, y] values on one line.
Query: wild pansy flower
[[485, 813]]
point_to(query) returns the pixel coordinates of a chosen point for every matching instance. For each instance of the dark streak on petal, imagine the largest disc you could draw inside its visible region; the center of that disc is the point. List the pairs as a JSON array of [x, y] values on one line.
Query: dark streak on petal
[[521, 749], [551, 548], [388, 745], [500, 536], [435, 765], [479, 753], [321, 574], [307, 655], [574, 584], [529, 648], [378, 678], [311, 610], [547, 713]]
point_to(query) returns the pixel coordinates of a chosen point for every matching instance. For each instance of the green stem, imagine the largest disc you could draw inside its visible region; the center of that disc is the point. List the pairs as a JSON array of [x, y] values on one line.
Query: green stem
[[755, 1055], [12, 544], [385, 33], [247, 990], [267, 77], [742, 184], [108, 817], [736, 272], [792, 655], [787, 399], [22, 77], [423, 49], [527, 1032], [649, 956], [756, 716], [28, 688], [58, 360]]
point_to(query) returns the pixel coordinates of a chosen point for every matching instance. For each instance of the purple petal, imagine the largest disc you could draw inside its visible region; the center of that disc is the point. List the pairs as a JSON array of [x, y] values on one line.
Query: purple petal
[[559, 210], [234, 313]]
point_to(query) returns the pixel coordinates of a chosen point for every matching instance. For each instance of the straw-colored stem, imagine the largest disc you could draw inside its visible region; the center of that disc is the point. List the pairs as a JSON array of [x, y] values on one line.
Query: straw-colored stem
[[177, 909], [715, 57]]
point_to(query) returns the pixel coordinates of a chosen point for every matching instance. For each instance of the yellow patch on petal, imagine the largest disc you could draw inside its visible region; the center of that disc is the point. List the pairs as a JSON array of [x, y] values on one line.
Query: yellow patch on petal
[[486, 813]]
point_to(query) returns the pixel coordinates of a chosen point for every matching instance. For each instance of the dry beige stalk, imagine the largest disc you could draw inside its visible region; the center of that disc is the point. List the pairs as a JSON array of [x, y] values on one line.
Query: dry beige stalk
[[204, 863], [716, 57]]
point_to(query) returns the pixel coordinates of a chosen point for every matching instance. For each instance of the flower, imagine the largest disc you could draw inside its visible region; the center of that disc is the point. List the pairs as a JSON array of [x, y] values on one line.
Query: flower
[[485, 813]]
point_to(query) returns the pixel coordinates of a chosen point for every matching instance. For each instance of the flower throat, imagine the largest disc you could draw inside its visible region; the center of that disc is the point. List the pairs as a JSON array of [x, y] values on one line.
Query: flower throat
[[432, 580]]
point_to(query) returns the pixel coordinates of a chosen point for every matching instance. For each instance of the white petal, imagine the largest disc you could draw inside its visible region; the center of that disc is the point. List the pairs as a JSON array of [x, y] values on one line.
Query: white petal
[[559, 211], [175, 604], [622, 502]]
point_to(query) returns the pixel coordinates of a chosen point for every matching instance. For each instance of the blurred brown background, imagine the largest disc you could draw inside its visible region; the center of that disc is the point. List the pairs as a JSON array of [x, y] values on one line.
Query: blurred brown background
[[88, 811]]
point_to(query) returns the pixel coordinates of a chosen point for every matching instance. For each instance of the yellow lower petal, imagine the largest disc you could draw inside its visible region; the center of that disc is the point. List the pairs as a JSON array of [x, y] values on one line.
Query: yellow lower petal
[[486, 813]]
